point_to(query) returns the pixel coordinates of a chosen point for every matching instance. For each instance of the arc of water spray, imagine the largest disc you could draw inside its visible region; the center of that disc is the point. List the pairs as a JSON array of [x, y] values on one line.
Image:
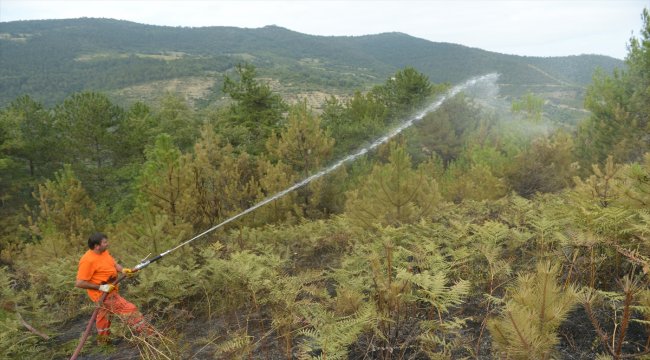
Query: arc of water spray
[[406, 124]]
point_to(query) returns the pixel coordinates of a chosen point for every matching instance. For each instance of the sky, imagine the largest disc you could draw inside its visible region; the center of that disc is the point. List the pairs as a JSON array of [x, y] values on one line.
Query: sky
[[530, 27]]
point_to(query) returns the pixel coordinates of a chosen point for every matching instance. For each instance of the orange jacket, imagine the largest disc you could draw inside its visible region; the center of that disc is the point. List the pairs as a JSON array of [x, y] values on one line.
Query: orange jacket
[[96, 269]]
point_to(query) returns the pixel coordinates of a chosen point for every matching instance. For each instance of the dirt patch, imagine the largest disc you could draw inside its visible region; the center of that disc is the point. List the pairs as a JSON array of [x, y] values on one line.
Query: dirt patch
[[21, 38], [167, 56], [100, 56], [191, 88], [315, 99]]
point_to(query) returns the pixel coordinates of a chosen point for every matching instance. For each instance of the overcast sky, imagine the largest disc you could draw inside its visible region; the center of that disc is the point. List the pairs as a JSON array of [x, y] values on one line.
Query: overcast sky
[[535, 28]]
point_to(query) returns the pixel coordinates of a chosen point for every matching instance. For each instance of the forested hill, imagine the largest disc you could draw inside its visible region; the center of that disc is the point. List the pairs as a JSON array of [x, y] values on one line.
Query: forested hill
[[50, 59]]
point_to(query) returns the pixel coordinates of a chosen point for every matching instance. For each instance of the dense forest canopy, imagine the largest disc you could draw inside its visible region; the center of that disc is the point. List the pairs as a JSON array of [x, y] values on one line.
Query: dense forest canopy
[[501, 225]]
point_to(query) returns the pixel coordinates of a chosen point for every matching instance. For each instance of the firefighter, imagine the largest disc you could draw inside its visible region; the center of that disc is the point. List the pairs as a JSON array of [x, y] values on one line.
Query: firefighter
[[97, 271]]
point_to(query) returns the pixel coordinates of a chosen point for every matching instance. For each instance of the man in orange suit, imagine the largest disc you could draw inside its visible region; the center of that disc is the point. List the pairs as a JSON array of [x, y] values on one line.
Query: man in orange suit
[[97, 272]]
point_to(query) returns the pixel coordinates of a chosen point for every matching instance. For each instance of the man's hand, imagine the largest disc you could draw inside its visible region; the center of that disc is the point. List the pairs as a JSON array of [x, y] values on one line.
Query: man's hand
[[128, 272], [106, 288]]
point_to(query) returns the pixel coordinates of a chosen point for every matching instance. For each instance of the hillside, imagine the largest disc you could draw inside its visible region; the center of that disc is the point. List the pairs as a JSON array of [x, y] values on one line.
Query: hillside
[[51, 59]]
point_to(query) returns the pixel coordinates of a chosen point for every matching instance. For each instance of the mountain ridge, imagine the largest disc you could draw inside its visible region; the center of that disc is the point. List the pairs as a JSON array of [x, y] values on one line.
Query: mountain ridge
[[42, 58]]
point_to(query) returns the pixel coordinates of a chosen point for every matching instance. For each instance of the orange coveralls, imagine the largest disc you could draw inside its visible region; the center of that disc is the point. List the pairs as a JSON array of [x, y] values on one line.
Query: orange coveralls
[[100, 269]]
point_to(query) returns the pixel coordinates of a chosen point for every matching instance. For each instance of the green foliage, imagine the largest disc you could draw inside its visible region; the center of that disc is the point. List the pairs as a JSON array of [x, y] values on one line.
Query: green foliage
[[306, 148], [256, 109], [177, 119], [357, 121], [329, 335], [624, 307], [272, 180], [16, 343], [287, 300], [88, 121], [162, 181], [636, 187], [546, 166], [221, 182], [147, 232], [165, 288], [432, 287], [49, 300], [535, 307], [6, 290], [51, 59], [529, 105], [238, 346], [472, 178], [65, 216], [602, 188], [619, 107], [404, 92], [447, 131], [411, 281], [30, 136], [37, 295], [495, 244], [135, 133], [303, 144], [394, 193]]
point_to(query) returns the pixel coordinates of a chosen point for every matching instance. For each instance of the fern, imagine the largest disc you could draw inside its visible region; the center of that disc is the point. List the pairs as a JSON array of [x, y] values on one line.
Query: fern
[[433, 288], [285, 300], [8, 295], [15, 343], [168, 286], [439, 339], [330, 335], [238, 346]]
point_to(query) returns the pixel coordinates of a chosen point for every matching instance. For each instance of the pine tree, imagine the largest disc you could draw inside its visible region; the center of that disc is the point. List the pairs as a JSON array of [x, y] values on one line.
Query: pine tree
[[162, 180], [30, 135], [404, 92], [306, 148], [272, 180], [619, 108], [177, 119], [221, 182], [359, 120], [545, 166], [535, 307], [88, 122], [474, 175], [256, 110], [636, 184], [65, 215], [394, 193]]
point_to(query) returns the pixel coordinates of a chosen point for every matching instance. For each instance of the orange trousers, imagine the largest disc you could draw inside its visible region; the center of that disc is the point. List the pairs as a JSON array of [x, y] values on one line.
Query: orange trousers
[[115, 304]]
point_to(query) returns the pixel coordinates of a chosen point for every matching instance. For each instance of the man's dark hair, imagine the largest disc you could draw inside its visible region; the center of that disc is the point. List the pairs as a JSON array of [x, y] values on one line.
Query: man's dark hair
[[96, 239]]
